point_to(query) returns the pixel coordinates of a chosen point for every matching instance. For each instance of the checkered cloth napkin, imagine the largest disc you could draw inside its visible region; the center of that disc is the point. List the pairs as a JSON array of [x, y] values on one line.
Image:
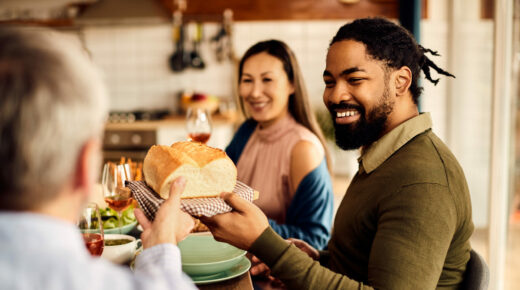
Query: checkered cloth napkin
[[149, 201]]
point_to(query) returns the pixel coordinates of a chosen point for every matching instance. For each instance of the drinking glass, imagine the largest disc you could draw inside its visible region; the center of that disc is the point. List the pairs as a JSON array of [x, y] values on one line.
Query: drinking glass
[[117, 196], [198, 125], [228, 108], [91, 228]]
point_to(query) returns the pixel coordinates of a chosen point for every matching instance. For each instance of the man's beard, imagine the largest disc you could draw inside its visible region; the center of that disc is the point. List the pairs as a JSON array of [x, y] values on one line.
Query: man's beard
[[366, 130]]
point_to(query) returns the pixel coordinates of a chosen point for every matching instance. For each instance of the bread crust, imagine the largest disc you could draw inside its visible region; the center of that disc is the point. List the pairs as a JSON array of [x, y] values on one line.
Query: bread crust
[[201, 154], [163, 164]]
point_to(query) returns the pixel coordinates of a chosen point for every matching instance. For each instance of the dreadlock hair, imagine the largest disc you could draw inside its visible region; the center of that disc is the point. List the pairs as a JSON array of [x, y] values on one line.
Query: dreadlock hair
[[394, 45]]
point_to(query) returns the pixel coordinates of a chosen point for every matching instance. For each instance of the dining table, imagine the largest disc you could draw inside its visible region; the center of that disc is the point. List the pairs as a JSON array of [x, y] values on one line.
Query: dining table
[[244, 282]]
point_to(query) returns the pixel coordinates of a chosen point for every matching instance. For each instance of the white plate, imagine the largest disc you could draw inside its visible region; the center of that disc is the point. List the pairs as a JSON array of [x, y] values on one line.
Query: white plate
[[237, 270]]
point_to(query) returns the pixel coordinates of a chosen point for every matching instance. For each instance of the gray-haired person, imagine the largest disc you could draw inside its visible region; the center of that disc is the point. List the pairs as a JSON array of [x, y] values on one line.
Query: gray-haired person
[[52, 111]]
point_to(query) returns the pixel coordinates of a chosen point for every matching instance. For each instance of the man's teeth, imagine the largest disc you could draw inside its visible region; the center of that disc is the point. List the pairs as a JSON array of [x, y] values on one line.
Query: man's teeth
[[346, 114]]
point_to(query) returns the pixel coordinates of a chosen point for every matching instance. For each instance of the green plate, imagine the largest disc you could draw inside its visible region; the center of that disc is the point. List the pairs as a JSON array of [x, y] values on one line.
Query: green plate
[[124, 229], [240, 268], [201, 255]]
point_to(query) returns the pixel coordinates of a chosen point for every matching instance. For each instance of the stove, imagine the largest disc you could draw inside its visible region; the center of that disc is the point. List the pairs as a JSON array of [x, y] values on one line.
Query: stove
[[138, 115]]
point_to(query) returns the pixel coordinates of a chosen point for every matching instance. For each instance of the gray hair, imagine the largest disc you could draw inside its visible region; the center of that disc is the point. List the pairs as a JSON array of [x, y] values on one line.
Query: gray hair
[[52, 101]]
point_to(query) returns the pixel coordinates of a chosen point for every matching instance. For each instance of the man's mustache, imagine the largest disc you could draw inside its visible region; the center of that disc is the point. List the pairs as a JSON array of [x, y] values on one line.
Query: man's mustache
[[345, 106]]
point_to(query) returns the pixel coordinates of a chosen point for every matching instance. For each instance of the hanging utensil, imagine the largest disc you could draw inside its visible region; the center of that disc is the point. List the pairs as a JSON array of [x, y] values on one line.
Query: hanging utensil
[[176, 60], [229, 51], [218, 43], [223, 40], [195, 58]]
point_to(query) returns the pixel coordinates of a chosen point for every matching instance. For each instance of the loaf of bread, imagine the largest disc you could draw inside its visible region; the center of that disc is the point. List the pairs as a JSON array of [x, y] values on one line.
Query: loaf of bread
[[208, 171]]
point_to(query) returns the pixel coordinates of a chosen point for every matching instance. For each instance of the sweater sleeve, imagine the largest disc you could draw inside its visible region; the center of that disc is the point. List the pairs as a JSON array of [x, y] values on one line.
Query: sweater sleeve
[[415, 229], [309, 216], [295, 268]]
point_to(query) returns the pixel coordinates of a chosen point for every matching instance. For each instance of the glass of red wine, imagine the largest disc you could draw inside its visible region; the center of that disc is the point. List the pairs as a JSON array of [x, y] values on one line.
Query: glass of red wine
[[116, 195], [198, 125], [91, 228]]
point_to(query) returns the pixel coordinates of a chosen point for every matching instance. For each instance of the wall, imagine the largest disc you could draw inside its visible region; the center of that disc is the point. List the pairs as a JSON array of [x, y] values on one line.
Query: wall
[[134, 60], [461, 107]]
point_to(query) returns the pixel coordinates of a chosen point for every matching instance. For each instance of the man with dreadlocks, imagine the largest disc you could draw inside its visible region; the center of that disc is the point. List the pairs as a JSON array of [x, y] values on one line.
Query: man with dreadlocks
[[405, 221]]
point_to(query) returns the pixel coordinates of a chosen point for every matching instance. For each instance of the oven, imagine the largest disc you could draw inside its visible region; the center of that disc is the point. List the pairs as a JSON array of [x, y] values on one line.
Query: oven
[[128, 143], [130, 134]]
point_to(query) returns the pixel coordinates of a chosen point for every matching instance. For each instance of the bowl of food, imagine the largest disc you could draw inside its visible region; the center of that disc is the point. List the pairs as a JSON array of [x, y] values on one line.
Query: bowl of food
[[199, 101], [202, 255], [111, 222], [119, 248]]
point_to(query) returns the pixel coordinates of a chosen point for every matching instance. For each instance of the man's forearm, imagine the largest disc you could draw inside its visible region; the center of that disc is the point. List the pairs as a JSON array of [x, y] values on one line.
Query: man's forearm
[[295, 268]]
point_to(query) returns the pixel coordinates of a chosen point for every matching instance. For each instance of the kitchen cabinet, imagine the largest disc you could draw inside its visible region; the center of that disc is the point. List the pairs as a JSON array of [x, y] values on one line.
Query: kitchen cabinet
[[202, 10]]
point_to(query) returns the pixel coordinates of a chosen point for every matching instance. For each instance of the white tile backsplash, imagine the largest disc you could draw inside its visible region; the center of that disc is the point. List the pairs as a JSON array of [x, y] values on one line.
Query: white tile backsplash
[[134, 59]]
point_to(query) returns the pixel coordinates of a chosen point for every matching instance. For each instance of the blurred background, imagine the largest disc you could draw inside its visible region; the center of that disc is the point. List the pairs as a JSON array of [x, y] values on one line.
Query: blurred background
[[161, 57]]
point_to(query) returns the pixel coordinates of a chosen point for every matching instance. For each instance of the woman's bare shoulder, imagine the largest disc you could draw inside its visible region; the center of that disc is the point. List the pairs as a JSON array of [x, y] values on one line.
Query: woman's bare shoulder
[[305, 157]]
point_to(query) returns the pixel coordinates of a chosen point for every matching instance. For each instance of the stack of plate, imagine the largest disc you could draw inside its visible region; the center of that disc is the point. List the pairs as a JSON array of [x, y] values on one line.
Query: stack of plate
[[207, 261]]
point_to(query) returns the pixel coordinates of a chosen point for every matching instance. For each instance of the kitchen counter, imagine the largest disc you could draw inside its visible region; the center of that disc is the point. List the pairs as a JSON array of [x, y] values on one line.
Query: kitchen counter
[[169, 121], [133, 139]]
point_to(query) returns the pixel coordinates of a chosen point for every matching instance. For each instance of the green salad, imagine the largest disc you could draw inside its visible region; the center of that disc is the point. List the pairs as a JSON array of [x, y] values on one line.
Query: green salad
[[109, 217]]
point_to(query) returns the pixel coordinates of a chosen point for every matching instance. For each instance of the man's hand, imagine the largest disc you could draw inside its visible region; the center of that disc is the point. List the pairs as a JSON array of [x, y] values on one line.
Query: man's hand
[[240, 227], [308, 249], [171, 225], [258, 268]]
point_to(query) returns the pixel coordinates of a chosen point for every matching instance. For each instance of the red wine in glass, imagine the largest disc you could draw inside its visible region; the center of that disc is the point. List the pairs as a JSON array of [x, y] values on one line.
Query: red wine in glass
[[198, 125], [118, 203], [91, 227], [199, 137], [94, 243], [117, 196]]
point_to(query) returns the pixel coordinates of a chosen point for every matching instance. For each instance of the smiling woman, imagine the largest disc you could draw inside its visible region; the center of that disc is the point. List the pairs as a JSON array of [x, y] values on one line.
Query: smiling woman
[[280, 149], [265, 89]]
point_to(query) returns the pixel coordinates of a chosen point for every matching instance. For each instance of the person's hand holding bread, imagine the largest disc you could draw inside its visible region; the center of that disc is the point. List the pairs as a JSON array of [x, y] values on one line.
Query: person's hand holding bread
[[171, 224], [240, 227]]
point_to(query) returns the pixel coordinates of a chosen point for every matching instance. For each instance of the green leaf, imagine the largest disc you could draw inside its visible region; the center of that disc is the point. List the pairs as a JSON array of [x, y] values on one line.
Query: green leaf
[[110, 217], [111, 223], [128, 216]]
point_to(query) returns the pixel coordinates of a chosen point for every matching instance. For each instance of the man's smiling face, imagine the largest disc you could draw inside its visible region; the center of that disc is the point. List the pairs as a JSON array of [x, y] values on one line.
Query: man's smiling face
[[357, 94]]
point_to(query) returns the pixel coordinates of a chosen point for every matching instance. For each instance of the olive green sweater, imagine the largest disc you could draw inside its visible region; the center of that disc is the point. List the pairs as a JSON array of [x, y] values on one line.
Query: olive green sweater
[[404, 223]]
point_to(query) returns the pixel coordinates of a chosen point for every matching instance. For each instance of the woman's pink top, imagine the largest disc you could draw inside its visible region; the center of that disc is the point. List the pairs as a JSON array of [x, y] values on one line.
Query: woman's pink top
[[265, 164]]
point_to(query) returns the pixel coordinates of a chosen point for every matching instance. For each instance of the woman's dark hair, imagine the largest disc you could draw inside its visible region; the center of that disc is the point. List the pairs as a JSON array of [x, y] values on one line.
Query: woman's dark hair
[[394, 45], [299, 105]]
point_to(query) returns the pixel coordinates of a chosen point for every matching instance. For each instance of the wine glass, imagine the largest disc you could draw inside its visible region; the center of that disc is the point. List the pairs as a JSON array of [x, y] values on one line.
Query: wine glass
[[91, 228], [117, 196], [198, 125]]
